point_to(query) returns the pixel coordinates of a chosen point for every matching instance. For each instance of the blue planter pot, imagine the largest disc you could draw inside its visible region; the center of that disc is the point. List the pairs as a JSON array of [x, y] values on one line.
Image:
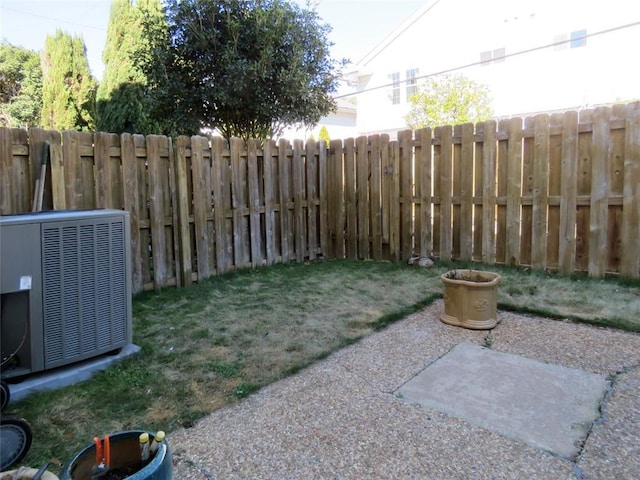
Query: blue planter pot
[[125, 452]]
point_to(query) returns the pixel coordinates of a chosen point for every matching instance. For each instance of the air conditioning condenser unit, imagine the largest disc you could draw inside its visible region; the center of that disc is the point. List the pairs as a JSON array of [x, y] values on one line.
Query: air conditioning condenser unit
[[65, 288]]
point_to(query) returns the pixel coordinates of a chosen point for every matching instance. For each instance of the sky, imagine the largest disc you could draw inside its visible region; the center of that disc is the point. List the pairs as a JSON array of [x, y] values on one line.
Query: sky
[[357, 25]]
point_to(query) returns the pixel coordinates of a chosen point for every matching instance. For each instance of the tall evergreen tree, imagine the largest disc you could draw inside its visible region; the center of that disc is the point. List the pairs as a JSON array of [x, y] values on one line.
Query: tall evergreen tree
[[68, 93], [20, 87], [121, 103]]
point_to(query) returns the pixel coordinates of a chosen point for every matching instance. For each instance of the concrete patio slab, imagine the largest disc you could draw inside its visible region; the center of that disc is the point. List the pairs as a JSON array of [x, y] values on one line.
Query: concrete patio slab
[[546, 406], [341, 418]]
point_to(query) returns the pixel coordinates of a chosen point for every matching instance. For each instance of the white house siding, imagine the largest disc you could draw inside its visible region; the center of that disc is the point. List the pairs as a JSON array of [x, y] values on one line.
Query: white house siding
[[339, 124], [446, 34]]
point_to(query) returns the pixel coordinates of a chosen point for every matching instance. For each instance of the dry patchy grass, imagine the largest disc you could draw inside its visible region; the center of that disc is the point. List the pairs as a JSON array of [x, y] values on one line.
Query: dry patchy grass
[[206, 346]]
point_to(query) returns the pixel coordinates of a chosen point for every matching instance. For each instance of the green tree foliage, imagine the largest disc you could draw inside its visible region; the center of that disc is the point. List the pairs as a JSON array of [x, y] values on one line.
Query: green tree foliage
[[449, 100], [20, 87], [245, 67], [323, 134], [121, 103], [68, 96]]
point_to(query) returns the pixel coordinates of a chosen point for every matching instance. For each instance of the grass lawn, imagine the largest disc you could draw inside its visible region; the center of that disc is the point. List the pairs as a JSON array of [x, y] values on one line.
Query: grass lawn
[[209, 345]]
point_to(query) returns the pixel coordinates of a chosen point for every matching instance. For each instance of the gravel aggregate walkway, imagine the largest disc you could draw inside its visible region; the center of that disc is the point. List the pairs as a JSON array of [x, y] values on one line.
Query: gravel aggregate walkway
[[340, 418]]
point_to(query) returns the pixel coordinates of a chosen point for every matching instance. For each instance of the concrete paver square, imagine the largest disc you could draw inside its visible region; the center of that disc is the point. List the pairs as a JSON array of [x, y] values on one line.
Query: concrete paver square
[[546, 406]]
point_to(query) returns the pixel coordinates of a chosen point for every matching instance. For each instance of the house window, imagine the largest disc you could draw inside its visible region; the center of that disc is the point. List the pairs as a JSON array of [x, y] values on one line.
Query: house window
[[395, 88], [578, 38], [412, 82], [495, 56]]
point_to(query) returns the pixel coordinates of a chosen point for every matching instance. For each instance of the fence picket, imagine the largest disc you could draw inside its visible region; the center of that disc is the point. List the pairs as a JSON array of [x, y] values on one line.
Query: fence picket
[[72, 172], [616, 191], [156, 211], [394, 200], [600, 183], [405, 140], [554, 193], [131, 196], [583, 191], [201, 205], [423, 191], [56, 162], [323, 215], [255, 229], [269, 202], [299, 201], [385, 192], [286, 223], [350, 199], [237, 201], [375, 197], [466, 191], [219, 175], [478, 186], [514, 189], [173, 232], [183, 199], [312, 198], [540, 191], [526, 210], [362, 196], [504, 128], [101, 171], [335, 201], [569, 191], [630, 261], [446, 192], [7, 194], [489, 192]]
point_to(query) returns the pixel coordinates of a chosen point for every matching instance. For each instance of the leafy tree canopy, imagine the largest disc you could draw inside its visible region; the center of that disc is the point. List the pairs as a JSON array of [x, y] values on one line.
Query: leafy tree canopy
[[121, 104], [20, 86], [68, 88], [245, 67], [449, 100]]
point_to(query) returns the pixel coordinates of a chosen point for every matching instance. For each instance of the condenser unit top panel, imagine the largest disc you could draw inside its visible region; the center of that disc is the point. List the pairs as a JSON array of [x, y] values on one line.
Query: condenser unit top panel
[[57, 216]]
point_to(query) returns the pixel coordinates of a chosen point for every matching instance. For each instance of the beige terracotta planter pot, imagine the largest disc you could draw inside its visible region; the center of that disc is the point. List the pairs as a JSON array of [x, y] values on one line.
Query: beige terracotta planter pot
[[470, 299]]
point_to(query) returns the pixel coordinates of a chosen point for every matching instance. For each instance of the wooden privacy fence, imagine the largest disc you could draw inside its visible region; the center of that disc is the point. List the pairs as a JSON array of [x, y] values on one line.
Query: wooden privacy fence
[[197, 207], [560, 192]]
